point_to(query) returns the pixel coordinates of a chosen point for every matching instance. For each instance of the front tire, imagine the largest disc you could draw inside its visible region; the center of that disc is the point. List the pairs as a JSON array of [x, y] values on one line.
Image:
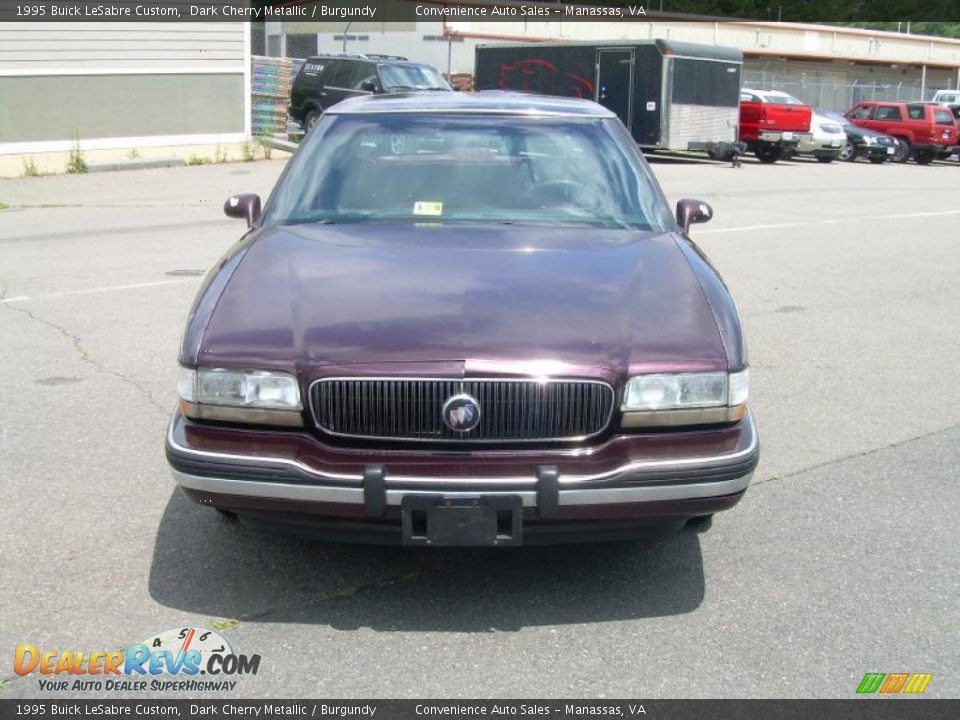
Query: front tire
[[849, 152], [768, 154], [311, 118], [902, 153], [700, 523]]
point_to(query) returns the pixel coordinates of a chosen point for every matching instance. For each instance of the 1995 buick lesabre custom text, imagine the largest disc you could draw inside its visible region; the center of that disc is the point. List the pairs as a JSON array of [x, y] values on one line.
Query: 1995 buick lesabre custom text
[[464, 319]]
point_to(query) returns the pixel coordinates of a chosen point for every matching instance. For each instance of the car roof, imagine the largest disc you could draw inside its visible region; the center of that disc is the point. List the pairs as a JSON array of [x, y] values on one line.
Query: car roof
[[496, 102], [767, 93], [367, 57]]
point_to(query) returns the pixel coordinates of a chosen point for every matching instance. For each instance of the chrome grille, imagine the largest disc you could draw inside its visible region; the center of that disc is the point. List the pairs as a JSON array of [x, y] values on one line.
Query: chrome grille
[[510, 410]]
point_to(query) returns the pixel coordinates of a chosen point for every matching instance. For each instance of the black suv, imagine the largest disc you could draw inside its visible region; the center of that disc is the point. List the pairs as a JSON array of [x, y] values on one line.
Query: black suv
[[325, 80]]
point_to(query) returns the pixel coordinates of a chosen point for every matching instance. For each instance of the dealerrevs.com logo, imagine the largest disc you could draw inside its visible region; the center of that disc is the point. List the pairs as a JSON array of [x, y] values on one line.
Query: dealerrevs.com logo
[[168, 661]]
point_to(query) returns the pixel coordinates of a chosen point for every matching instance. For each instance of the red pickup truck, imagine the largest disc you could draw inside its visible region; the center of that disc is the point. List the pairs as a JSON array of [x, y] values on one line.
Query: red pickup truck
[[925, 131], [772, 123]]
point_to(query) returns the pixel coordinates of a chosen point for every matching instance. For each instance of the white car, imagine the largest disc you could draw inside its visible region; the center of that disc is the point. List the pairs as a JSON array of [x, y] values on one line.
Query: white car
[[825, 140], [947, 97]]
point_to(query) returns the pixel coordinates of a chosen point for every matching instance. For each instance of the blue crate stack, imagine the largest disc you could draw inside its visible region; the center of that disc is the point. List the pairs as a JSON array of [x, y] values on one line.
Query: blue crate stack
[[270, 88]]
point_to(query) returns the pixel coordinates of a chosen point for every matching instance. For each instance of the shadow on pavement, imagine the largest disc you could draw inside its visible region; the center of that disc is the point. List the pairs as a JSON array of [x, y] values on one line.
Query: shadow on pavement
[[209, 565]]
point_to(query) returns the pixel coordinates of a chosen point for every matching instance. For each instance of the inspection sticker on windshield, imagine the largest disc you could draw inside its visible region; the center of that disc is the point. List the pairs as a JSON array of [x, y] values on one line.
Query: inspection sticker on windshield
[[427, 208]]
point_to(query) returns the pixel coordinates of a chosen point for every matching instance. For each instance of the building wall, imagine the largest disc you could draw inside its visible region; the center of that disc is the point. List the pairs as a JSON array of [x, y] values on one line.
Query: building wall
[[114, 84], [422, 41], [814, 41], [829, 67]]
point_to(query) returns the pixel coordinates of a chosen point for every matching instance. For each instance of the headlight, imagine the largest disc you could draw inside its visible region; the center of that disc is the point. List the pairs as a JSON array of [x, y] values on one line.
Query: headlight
[[257, 396], [685, 398]]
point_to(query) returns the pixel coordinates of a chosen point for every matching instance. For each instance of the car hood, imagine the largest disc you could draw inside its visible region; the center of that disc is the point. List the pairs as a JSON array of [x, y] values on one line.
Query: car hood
[[863, 132], [463, 298]]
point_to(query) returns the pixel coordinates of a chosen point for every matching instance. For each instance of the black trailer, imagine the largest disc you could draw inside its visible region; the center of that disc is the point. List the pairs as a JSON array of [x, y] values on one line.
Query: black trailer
[[669, 95]]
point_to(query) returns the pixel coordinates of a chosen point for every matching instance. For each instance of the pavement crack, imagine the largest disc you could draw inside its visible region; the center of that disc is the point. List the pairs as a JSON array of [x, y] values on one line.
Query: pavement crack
[[77, 343], [854, 456]]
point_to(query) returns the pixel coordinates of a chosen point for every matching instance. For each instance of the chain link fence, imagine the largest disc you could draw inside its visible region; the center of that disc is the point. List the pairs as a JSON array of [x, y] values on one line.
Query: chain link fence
[[840, 96], [839, 89]]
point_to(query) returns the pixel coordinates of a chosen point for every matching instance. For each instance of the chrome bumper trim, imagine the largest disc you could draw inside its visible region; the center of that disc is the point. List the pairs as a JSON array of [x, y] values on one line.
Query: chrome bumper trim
[[354, 496], [525, 480]]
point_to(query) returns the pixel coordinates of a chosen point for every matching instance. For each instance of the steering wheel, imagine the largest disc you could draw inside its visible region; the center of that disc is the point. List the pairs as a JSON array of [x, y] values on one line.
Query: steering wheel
[[557, 188]]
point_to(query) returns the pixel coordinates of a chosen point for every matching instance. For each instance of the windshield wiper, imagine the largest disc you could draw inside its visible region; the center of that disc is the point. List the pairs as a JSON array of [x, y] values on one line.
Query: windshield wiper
[[329, 219]]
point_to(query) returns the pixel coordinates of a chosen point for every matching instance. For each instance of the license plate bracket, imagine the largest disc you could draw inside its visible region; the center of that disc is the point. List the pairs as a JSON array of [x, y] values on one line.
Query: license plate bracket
[[443, 521]]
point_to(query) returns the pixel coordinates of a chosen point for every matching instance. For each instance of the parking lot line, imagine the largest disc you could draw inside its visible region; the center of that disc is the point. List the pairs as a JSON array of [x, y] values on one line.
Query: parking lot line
[[109, 288], [834, 221]]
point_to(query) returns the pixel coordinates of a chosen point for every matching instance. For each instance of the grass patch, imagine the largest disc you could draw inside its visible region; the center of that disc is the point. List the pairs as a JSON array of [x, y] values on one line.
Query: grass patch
[[225, 624], [4, 684], [4, 206], [76, 163], [30, 168]]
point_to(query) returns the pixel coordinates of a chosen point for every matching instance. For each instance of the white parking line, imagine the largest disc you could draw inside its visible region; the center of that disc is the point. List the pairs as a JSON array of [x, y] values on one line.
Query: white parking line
[[777, 226], [744, 228], [109, 288]]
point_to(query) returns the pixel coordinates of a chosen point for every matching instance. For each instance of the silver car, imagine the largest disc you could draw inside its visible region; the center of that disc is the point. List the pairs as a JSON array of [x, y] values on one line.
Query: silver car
[[825, 141]]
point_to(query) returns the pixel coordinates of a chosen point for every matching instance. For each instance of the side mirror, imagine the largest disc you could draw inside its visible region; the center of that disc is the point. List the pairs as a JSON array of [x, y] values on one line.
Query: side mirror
[[245, 206], [691, 212], [368, 86]]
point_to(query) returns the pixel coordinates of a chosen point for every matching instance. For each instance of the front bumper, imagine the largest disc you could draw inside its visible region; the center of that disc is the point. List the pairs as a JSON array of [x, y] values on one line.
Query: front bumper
[[876, 150], [789, 138], [283, 477], [822, 146]]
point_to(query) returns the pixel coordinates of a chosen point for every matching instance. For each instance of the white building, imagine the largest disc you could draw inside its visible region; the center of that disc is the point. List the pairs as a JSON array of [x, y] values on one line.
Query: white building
[[144, 88]]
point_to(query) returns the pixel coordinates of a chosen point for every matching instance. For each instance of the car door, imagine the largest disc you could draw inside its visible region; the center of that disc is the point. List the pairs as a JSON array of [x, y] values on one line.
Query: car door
[[859, 115], [337, 81], [307, 85], [887, 119], [615, 82], [365, 79]]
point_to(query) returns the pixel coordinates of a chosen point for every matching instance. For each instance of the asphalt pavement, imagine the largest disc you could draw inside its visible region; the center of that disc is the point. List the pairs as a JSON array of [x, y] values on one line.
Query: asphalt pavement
[[842, 559]]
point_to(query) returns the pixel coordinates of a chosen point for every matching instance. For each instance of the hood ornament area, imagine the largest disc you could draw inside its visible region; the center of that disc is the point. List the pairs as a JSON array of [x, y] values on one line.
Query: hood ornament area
[[461, 413]]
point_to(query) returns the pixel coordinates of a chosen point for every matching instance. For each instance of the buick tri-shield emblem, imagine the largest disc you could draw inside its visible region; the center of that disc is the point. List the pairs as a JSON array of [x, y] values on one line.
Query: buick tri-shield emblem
[[461, 413]]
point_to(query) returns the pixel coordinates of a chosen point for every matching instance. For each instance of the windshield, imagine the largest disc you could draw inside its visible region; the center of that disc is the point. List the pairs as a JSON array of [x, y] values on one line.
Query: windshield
[[414, 77], [833, 116], [781, 99], [418, 167]]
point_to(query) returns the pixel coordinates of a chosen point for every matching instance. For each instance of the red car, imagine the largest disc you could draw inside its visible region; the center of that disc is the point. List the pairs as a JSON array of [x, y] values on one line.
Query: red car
[[924, 131], [772, 123], [465, 319]]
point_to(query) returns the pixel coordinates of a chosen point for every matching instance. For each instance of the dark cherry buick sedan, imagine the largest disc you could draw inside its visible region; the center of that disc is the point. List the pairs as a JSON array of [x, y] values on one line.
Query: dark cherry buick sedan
[[464, 319]]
